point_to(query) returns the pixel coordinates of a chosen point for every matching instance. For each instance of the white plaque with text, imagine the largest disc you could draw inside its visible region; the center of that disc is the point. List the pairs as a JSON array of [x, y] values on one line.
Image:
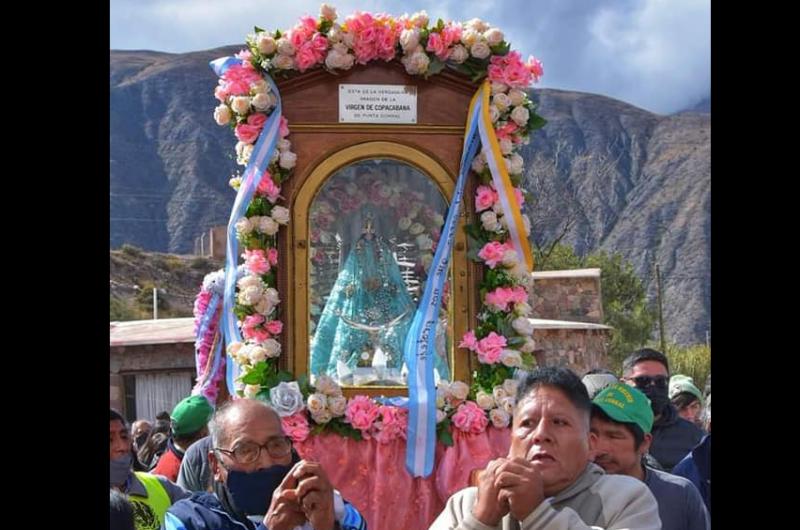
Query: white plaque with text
[[377, 104]]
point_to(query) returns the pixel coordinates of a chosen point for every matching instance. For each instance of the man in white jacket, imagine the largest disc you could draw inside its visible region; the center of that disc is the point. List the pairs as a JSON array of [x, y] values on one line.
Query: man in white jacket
[[548, 480]]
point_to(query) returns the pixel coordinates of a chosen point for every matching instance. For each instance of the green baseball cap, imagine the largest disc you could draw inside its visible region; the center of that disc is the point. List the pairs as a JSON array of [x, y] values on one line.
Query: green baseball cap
[[190, 415], [683, 383], [625, 404]]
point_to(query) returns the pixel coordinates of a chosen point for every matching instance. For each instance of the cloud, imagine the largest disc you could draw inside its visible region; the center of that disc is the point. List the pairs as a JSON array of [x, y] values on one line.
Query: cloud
[[652, 53]]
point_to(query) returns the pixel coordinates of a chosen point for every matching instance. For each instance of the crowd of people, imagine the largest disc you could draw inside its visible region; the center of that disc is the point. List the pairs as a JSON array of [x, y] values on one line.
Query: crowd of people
[[608, 452]]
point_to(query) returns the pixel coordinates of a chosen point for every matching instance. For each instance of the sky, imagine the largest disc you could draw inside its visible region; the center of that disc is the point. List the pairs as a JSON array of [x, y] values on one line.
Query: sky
[[655, 54]]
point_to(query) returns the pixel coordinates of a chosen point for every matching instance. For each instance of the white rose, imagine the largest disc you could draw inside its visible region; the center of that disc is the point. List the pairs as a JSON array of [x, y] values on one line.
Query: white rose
[[259, 87], [280, 214], [506, 146], [240, 104], [526, 222], [522, 325], [284, 62], [459, 390], [522, 309], [222, 114], [498, 88], [489, 220], [244, 226], [322, 417], [511, 386], [409, 39], [508, 404], [440, 416], [517, 164], [261, 102], [416, 229], [234, 348], [480, 50], [420, 19], [499, 418], [264, 306], [235, 183], [459, 54], [272, 347], [335, 34], [520, 115], [416, 63], [348, 39], [250, 391], [316, 403], [250, 296], [478, 163], [477, 25], [484, 400], [424, 242], [284, 144], [403, 223], [469, 37], [288, 160], [267, 225], [326, 385], [502, 101], [325, 238], [494, 113], [271, 294], [333, 60], [529, 345], [510, 258], [285, 46], [251, 280], [243, 152], [266, 44], [520, 273], [337, 405], [286, 398], [327, 12], [517, 97], [499, 393], [493, 36], [257, 354], [503, 222], [511, 358], [438, 220], [276, 155]]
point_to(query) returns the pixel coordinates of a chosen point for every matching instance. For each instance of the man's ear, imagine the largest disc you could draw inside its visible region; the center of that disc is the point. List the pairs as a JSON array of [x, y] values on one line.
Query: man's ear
[[216, 468], [645, 447], [592, 437]]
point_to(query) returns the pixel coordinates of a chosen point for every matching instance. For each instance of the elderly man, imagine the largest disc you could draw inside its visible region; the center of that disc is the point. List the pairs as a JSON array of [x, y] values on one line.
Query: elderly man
[[548, 480], [621, 420], [259, 482], [673, 436]]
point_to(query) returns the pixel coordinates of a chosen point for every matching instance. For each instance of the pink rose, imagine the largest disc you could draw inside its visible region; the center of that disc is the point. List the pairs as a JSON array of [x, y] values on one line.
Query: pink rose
[[306, 57], [470, 418], [519, 196], [257, 119], [393, 424], [267, 188], [244, 55], [247, 133], [438, 46], [469, 341], [284, 127], [296, 426], [451, 34], [256, 261], [492, 253], [485, 197], [221, 93], [274, 327], [272, 256], [517, 75], [535, 67], [496, 72], [490, 347], [238, 88], [251, 321], [506, 130], [361, 413]]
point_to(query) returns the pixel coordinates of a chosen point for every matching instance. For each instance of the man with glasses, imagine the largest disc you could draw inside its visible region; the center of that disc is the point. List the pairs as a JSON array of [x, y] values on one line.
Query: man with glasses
[[259, 481], [673, 436]]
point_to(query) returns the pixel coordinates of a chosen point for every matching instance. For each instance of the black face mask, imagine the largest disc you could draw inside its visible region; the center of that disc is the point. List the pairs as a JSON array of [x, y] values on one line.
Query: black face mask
[[659, 398], [251, 493], [139, 441]]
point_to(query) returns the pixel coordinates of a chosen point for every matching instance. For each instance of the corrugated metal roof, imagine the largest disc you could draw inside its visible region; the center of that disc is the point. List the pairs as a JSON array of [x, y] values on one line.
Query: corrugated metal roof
[[161, 331], [541, 323]]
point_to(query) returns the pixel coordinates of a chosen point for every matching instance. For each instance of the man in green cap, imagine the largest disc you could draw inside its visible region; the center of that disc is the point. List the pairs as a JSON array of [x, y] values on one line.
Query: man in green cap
[[622, 420], [686, 397], [189, 423]]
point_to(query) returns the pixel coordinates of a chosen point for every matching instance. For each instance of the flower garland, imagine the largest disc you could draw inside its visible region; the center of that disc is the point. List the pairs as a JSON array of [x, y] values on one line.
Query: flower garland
[[503, 339]]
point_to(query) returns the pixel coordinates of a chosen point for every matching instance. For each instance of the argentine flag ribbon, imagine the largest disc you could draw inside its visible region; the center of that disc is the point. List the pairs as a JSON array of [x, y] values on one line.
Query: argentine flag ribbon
[[259, 160], [419, 347]]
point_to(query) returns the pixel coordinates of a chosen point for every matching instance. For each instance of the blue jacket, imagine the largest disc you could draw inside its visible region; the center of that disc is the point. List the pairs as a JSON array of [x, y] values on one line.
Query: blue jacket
[[697, 468]]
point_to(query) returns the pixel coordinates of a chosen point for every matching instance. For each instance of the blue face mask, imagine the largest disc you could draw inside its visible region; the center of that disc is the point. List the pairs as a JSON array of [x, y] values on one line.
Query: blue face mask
[[251, 493], [119, 469]]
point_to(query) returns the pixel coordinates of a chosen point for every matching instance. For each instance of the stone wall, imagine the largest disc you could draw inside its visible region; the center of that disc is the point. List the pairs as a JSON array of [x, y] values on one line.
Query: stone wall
[[572, 295]]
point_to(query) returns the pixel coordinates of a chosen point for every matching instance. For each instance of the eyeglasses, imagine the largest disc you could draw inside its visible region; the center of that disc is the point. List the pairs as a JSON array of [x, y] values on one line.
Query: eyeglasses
[[249, 452], [644, 381]]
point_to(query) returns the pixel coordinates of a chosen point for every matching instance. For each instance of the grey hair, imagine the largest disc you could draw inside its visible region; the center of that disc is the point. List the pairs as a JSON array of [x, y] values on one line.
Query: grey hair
[[705, 416], [216, 427]]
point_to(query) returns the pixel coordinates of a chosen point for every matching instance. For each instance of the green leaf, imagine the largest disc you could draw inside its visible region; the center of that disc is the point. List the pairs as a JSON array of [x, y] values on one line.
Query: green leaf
[[255, 376], [256, 29], [536, 122], [501, 49], [324, 25], [440, 25], [434, 67], [278, 34], [443, 433]]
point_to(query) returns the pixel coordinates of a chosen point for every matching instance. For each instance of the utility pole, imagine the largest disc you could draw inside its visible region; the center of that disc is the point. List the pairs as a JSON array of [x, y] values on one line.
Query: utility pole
[[660, 310], [155, 303]]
